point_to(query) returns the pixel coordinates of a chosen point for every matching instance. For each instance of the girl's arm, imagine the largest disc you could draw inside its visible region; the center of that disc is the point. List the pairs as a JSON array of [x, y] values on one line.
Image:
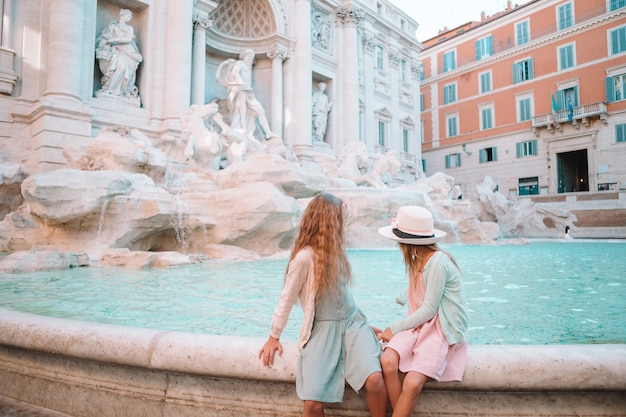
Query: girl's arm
[[297, 273], [435, 277], [294, 281]]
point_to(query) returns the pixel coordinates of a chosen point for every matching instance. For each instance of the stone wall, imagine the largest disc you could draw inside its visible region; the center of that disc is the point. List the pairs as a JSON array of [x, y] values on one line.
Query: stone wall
[[86, 369]]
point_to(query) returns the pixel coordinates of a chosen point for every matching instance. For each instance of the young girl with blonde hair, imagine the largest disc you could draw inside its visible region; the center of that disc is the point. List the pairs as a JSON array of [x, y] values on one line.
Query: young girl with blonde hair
[[337, 345], [430, 342]]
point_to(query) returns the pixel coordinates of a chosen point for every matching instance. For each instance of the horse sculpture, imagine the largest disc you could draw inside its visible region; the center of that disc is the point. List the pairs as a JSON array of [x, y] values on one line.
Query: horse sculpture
[[354, 165], [203, 145], [383, 164]]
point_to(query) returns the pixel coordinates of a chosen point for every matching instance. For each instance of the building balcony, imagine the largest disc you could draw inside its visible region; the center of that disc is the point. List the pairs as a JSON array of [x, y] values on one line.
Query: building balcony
[[579, 115]]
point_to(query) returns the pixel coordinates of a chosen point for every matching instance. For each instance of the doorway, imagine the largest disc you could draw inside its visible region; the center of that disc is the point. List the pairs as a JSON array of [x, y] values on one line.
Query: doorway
[[573, 173]]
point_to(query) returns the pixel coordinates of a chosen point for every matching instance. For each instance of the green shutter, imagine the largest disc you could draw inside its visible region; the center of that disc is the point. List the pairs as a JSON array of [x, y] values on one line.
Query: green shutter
[[519, 149], [610, 89], [535, 150]]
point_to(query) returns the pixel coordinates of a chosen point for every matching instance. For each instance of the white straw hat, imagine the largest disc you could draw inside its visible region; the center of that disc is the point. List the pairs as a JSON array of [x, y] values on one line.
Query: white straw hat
[[413, 225]]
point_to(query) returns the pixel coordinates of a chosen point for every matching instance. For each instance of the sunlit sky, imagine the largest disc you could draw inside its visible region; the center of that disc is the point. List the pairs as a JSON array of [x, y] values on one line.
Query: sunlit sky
[[435, 14]]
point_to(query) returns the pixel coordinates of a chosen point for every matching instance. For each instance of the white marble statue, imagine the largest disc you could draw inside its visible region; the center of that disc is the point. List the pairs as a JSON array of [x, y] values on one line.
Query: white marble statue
[[245, 109], [321, 106], [203, 144], [118, 58], [354, 163], [383, 164]]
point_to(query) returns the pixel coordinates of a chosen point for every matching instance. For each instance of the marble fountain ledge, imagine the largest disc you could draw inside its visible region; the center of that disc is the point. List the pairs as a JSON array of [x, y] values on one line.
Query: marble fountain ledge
[[110, 371]]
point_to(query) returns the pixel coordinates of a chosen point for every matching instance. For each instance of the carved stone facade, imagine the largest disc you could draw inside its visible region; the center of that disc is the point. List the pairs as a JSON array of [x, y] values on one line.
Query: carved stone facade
[[365, 54]]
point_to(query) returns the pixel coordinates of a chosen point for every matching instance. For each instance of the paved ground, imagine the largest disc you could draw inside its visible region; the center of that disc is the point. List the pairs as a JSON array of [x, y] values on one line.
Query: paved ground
[[12, 408]]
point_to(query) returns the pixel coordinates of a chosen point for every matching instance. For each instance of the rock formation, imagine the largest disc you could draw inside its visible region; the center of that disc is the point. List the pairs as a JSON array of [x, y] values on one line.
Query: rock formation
[[123, 200]]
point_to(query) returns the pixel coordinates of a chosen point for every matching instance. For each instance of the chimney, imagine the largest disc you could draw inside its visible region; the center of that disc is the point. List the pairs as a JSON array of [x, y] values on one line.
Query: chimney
[[482, 16], [509, 5]]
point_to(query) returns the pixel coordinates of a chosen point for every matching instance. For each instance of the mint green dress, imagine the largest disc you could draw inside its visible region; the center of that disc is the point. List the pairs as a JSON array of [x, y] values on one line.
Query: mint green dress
[[342, 348]]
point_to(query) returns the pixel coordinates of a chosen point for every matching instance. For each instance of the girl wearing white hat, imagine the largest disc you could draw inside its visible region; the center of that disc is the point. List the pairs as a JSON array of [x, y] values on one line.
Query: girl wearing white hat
[[430, 342]]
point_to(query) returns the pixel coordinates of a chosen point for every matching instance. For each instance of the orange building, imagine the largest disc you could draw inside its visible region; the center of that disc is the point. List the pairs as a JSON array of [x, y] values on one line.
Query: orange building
[[533, 97]]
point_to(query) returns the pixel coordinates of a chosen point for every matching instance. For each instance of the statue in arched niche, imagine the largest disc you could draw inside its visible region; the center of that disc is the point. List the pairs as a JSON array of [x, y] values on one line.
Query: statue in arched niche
[[320, 108], [245, 109], [118, 58]]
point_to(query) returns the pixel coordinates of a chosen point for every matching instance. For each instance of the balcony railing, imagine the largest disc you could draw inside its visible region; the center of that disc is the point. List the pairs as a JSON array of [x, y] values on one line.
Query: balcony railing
[[406, 159], [579, 115]]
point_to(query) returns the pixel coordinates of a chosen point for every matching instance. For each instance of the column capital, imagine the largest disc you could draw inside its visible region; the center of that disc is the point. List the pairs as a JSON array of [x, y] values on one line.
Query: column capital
[[395, 57], [417, 69], [201, 10], [279, 52], [369, 41], [350, 14]]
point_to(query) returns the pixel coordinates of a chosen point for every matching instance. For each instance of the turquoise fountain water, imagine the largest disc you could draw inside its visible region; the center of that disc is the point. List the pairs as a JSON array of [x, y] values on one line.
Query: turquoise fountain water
[[540, 293]]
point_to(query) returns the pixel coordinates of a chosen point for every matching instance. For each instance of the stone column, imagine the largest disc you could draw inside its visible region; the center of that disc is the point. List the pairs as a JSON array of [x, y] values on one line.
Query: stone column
[[65, 41], [277, 55], [8, 77], [60, 119], [302, 80], [351, 17], [6, 12], [178, 60], [201, 22]]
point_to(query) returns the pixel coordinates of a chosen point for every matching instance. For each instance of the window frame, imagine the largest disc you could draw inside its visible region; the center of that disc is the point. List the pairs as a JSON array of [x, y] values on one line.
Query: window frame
[[380, 57], [450, 90], [488, 75], [447, 56], [382, 132], [527, 148], [406, 140], [617, 39], [613, 5], [403, 70], [620, 133], [521, 39], [524, 104], [452, 123], [484, 47], [612, 87], [487, 155], [523, 70], [569, 19], [453, 160], [484, 110], [559, 56]]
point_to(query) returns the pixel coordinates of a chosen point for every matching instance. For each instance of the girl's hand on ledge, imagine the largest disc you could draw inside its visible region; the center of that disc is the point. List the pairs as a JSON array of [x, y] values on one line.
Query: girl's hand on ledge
[[266, 354]]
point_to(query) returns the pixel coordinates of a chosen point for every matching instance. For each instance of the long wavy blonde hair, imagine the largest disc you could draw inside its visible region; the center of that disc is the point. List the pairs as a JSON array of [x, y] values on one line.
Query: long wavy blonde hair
[[322, 228], [416, 256]]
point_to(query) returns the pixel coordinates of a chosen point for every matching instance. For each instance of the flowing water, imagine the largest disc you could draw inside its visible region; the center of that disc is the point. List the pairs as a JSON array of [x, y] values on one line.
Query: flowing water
[[545, 292]]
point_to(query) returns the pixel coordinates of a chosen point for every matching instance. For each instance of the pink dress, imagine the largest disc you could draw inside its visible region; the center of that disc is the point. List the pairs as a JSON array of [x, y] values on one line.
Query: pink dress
[[425, 348]]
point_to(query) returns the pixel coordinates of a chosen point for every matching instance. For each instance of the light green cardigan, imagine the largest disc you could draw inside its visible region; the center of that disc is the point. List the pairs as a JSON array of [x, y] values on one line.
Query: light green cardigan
[[444, 295]]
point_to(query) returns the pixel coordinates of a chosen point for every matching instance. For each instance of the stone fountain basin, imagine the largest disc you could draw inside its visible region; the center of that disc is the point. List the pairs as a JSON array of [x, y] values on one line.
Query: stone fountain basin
[[87, 369]]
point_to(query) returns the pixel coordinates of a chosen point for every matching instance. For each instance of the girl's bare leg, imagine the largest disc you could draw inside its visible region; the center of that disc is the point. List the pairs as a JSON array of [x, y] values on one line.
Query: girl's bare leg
[[313, 408], [389, 361], [411, 389], [376, 394]]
